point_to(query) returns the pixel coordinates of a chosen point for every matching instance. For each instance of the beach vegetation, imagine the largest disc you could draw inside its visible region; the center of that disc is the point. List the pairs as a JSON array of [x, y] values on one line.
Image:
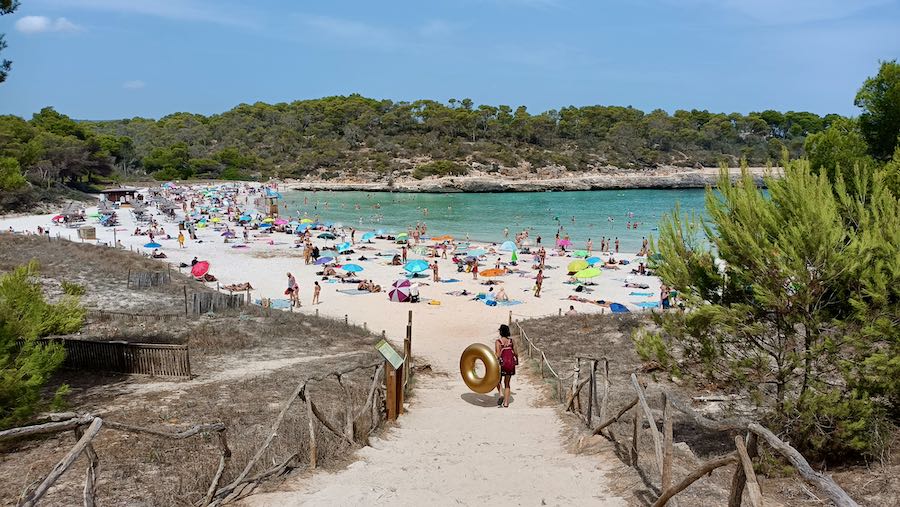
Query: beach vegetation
[[439, 168], [25, 363], [792, 296]]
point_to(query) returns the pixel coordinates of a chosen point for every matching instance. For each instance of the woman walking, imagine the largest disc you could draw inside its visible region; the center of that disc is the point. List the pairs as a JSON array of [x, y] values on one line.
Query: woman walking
[[509, 358]]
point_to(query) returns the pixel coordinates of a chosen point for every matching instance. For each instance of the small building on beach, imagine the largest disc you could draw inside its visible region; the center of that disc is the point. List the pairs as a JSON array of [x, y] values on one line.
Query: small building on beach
[[121, 195]]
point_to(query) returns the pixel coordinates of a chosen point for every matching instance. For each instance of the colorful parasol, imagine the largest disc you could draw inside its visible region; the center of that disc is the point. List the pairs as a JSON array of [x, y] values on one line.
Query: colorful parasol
[[399, 291]]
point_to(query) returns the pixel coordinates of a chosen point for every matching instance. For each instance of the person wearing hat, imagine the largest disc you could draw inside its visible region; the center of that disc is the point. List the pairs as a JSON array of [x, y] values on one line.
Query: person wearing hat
[[509, 358]]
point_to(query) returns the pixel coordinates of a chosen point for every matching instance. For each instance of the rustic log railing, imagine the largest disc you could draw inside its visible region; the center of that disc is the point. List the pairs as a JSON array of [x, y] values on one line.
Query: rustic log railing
[[156, 359], [88, 426], [744, 477]]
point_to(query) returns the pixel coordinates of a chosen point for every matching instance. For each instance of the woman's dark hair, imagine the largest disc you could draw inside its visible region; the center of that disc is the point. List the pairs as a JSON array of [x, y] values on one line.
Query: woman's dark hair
[[504, 330]]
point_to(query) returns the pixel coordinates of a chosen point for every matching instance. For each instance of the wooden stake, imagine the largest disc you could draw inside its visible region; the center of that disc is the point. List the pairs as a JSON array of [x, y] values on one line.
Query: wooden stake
[[313, 450], [667, 444], [753, 491], [604, 402], [654, 430], [635, 419], [738, 480], [592, 387]]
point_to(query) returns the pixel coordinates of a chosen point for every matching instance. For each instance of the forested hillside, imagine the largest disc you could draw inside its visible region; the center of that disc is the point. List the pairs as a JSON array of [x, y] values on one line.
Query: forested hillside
[[354, 134]]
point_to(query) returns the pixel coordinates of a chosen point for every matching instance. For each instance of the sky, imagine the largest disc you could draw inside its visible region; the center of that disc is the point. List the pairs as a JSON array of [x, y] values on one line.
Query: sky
[[105, 59]]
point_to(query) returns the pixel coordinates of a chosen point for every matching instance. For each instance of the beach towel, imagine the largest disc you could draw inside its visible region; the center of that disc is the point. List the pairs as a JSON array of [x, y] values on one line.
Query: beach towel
[[277, 304], [641, 294], [355, 292], [647, 304], [618, 308], [511, 302], [450, 280]]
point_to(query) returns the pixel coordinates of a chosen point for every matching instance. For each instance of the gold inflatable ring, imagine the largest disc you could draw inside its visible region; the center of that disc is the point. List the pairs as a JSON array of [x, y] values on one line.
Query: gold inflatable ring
[[483, 353]]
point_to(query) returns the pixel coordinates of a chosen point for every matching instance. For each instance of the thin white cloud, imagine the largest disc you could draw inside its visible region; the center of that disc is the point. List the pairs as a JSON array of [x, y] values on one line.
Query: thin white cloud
[[40, 24], [435, 28], [220, 13], [781, 12], [352, 32], [136, 84]]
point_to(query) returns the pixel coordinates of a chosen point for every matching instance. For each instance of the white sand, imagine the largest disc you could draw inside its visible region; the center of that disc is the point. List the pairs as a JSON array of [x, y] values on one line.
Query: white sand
[[453, 446]]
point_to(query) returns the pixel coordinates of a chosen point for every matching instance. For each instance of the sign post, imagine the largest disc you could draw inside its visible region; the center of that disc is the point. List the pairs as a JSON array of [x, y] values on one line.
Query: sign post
[[393, 379]]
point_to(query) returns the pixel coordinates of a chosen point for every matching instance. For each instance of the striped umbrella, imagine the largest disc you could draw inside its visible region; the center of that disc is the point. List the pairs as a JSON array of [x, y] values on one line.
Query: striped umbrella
[[399, 291]]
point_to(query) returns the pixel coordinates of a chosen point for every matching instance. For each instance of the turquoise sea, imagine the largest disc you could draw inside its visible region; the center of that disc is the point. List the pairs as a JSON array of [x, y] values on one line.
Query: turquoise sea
[[483, 216]]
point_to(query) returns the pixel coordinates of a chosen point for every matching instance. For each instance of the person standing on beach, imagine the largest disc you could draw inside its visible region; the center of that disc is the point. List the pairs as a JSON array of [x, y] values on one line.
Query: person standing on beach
[[475, 269], [590, 245], [434, 267], [317, 289], [664, 296], [538, 283], [403, 253], [292, 290], [509, 358], [180, 239], [617, 244], [506, 232]]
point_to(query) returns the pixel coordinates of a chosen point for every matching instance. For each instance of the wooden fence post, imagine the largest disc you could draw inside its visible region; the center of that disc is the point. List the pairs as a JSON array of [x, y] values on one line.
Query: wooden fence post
[[185, 300], [666, 481], [576, 376], [592, 387], [738, 480], [604, 403], [753, 491], [407, 348], [654, 430], [313, 450]]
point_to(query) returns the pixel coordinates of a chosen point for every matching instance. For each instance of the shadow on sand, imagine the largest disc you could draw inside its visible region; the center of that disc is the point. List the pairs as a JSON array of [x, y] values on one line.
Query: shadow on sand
[[483, 400]]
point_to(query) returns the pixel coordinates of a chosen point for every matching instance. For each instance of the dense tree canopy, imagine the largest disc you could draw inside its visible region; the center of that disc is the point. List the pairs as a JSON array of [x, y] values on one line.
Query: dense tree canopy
[[354, 134], [879, 99]]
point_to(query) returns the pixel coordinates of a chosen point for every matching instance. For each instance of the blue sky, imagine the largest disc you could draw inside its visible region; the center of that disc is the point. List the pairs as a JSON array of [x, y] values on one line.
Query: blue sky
[[100, 59]]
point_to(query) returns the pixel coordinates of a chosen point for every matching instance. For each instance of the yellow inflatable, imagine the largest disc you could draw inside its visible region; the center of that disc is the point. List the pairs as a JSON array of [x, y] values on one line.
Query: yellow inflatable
[[473, 353]]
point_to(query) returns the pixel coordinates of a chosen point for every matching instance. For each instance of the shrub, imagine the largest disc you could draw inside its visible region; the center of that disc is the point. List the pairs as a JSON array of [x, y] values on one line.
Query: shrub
[[72, 288], [25, 315], [440, 168]]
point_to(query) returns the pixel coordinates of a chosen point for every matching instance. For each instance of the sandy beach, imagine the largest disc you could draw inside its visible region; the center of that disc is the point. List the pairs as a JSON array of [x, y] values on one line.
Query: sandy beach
[[444, 435]]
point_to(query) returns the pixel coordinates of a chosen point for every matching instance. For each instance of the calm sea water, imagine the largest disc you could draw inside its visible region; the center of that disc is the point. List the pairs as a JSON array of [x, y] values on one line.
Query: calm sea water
[[483, 217]]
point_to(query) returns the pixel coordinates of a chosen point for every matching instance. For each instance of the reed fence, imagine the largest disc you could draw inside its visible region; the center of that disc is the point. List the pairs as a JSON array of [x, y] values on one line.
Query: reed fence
[[155, 359], [148, 279], [211, 302], [746, 441]]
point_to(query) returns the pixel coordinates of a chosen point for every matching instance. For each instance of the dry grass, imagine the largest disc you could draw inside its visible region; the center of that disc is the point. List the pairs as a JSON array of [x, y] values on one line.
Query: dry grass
[[226, 350], [562, 338]]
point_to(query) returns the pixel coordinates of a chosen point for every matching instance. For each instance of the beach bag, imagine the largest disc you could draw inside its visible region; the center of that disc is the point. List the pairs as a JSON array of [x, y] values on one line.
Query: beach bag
[[490, 302]]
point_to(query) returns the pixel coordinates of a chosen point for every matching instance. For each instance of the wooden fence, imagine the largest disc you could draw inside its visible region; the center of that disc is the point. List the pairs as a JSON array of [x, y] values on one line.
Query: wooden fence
[[87, 426], [206, 302], [147, 279], [163, 360], [585, 376]]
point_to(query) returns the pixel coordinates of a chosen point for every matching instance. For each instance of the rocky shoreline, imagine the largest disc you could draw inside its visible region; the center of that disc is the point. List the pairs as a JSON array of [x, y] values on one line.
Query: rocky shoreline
[[658, 179]]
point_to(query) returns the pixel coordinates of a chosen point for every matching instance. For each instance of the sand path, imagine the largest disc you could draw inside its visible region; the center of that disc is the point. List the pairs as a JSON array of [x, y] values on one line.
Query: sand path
[[456, 447]]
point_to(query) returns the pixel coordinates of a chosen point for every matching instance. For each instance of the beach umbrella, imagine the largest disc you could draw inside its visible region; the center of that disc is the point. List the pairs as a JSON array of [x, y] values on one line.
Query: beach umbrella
[[508, 246], [343, 247], [416, 266], [352, 268], [492, 272], [268, 220], [563, 242], [445, 237], [153, 245], [280, 221], [326, 235], [593, 260], [580, 253], [265, 226], [399, 291], [576, 266], [57, 218], [294, 223], [200, 269], [323, 260], [368, 236], [515, 257], [587, 273], [228, 234], [476, 252], [216, 220], [306, 221]]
